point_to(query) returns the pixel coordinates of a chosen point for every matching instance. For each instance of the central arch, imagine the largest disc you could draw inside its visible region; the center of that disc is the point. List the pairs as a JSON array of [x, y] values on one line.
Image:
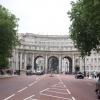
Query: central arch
[[53, 64]]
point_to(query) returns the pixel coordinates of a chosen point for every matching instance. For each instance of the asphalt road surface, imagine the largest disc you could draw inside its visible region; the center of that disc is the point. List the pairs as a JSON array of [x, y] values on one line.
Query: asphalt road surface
[[45, 87]]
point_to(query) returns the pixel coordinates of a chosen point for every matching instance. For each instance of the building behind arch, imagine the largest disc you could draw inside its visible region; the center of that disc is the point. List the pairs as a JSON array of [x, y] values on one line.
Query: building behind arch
[[47, 47]]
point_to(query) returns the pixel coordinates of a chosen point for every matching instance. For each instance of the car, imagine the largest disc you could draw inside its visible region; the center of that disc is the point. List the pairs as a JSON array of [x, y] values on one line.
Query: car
[[29, 72], [39, 72], [79, 75]]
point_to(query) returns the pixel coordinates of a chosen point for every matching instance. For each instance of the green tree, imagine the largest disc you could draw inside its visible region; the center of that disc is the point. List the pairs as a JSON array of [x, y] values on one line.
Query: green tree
[[8, 35], [85, 27]]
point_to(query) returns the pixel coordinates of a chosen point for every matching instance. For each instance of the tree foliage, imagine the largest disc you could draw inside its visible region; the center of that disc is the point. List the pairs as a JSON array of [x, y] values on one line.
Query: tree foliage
[[8, 35], [85, 27]]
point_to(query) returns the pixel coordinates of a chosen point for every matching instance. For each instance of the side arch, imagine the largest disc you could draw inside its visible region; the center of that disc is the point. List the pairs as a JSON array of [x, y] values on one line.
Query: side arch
[[67, 65], [39, 63]]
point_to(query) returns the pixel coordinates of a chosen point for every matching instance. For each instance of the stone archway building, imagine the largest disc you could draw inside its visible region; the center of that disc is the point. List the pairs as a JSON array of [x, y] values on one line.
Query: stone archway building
[[34, 45]]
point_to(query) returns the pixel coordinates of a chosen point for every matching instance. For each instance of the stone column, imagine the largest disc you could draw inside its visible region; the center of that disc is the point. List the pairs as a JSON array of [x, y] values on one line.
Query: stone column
[[80, 65], [33, 63], [46, 63], [17, 61], [12, 64], [14, 60], [25, 63], [73, 66], [20, 61], [60, 66], [97, 69], [93, 64]]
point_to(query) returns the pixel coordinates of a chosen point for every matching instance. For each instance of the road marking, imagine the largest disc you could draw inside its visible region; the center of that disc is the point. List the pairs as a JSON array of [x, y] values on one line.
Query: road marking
[[73, 98], [30, 97], [22, 89], [90, 84], [56, 92], [9, 97], [44, 90], [37, 78], [55, 84], [64, 85], [68, 91], [57, 89], [55, 96], [33, 83]]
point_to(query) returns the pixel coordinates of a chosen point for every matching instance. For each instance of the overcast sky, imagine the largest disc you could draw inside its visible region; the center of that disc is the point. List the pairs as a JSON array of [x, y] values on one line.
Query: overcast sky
[[40, 16]]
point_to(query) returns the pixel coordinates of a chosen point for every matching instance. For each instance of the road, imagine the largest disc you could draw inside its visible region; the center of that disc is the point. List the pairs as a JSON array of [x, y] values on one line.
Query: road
[[45, 87]]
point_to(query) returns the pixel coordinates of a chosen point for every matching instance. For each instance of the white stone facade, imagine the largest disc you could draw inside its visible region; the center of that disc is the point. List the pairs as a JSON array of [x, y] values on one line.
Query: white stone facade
[[46, 46]]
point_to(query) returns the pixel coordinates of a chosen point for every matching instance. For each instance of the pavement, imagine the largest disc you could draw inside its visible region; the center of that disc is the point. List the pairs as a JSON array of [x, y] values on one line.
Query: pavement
[[7, 76]]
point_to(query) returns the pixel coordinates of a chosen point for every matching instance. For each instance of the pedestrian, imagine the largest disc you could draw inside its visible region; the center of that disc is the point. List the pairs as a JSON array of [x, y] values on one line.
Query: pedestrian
[[97, 90]]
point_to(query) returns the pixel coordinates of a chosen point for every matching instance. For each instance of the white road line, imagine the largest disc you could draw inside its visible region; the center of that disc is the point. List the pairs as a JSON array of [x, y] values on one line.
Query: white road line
[[9, 97], [57, 89], [73, 98], [30, 97], [64, 85], [68, 91], [59, 82], [37, 78], [66, 88], [90, 84], [56, 92], [33, 83], [55, 96], [44, 90], [22, 89], [55, 84]]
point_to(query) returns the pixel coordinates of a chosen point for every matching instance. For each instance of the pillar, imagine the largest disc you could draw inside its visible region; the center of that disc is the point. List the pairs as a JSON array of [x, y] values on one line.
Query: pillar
[[20, 61], [97, 69], [60, 66], [46, 63], [73, 64], [32, 62], [17, 61], [25, 63]]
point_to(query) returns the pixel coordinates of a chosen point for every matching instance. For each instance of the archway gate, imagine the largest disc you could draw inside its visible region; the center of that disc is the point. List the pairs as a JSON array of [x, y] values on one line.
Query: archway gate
[[23, 58]]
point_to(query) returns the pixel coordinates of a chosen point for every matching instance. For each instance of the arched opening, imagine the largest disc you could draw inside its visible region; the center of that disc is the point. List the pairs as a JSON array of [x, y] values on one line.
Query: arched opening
[[67, 65], [53, 64], [77, 68], [39, 64], [29, 67]]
